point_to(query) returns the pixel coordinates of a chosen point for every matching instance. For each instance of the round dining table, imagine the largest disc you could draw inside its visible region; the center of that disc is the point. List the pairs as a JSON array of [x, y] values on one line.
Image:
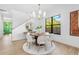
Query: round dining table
[[36, 35]]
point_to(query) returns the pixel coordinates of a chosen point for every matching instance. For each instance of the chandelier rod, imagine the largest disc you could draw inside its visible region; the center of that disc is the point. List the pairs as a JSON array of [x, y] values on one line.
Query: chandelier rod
[[39, 6]]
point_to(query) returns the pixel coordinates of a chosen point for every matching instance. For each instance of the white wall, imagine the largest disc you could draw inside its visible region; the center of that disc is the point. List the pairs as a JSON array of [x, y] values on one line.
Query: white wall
[[1, 27], [65, 36], [18, 33], [18, 18]]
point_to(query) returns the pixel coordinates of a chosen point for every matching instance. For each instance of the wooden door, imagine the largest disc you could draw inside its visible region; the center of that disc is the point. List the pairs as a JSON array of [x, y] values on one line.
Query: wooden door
[[74, 30]]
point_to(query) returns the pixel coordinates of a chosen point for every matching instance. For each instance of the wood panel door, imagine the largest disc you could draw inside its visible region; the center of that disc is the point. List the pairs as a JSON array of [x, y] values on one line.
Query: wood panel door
[[74, 30]]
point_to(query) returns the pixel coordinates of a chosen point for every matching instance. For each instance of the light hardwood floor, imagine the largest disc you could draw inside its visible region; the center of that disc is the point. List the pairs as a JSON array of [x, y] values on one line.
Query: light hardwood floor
[[16, 49]]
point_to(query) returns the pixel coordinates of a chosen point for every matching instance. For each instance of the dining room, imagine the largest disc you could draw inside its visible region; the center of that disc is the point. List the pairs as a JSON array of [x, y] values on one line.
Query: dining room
[[39, 29]]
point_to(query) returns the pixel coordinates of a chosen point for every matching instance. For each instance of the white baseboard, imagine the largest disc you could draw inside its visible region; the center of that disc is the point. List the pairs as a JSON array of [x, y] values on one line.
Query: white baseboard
[[68, 40]]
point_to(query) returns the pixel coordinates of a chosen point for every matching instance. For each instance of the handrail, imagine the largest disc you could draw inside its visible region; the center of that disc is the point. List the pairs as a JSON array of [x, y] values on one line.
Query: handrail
[[21, 24]]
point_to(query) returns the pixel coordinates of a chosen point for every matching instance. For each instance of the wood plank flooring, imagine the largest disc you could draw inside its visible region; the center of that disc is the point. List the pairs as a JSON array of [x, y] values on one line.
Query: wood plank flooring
[[16, 49]]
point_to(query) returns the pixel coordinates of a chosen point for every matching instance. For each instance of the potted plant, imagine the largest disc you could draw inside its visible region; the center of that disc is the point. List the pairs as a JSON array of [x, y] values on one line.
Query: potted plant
[[39, 28]]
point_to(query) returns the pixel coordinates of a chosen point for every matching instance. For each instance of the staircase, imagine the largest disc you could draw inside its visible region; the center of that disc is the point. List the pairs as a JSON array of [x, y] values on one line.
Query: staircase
[[18, 31], [19, 19]]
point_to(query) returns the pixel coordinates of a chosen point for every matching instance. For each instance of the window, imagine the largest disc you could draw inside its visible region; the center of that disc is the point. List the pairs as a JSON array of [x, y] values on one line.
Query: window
[[7, 27], [53, 24]]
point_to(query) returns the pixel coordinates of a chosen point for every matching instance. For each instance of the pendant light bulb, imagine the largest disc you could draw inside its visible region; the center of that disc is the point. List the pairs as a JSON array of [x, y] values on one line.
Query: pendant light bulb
[[34, 15]]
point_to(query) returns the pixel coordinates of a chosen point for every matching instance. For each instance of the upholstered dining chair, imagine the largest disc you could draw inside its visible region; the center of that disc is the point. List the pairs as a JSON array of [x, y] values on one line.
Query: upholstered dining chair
[[30, 40], [49, 40], [43, 41]]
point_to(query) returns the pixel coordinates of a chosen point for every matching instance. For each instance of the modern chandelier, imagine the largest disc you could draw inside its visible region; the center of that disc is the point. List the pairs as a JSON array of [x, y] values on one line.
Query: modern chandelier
[[40, 14]]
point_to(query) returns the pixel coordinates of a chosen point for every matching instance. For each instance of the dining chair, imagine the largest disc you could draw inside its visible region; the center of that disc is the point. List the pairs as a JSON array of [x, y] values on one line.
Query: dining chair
[[30, 40], [42, 41], [49, 40]]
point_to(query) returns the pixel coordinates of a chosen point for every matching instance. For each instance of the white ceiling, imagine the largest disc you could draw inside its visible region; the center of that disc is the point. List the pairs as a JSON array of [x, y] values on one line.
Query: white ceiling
[[28, 8]]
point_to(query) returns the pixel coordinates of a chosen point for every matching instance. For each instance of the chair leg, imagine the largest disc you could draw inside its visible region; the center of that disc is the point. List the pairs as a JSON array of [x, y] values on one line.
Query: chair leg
[[29, 45], [38, 47], [51, 43], [45, 47]]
